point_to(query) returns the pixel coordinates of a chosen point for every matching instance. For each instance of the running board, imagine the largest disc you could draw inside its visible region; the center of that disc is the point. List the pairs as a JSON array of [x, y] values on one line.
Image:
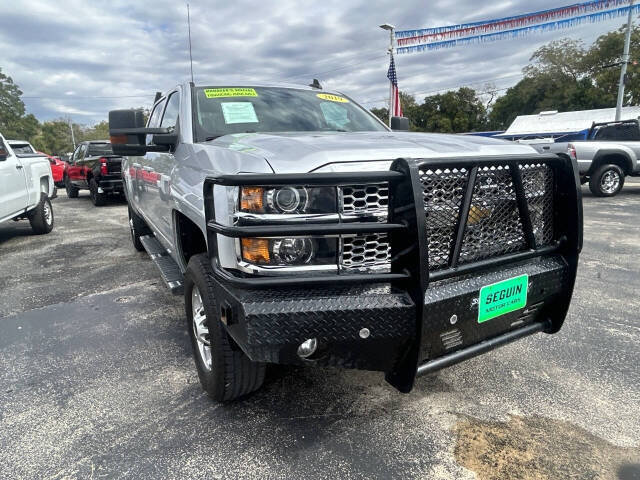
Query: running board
[[480, 348], [169, 269]]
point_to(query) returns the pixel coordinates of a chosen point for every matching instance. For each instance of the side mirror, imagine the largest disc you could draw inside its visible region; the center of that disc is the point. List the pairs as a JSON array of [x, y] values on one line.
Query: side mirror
[[399, 124], [3, 154], [128, 134]]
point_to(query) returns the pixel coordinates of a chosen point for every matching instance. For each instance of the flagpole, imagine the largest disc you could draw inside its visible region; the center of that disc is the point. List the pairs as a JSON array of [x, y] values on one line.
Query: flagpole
[[392, 30]]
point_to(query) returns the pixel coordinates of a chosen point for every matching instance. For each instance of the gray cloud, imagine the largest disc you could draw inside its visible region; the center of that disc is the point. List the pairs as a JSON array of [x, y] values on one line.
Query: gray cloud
[[64, 51]]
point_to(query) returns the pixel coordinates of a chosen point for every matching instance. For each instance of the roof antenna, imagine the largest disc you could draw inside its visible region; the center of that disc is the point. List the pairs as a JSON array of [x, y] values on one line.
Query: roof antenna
[[190, 56], [316, 84]]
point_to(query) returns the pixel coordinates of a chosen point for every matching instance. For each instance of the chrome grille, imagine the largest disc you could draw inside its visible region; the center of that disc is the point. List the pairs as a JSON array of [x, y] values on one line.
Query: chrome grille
[[493, 226], [365, 200], [365, 252]]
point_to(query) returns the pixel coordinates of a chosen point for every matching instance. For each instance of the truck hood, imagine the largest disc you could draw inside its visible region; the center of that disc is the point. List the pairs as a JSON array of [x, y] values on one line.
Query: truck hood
[[305, 152]]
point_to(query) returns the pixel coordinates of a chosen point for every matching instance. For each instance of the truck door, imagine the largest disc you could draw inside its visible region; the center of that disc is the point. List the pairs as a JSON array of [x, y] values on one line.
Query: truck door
[[162, 165], [148, 178], [14, 195], [75, 170]]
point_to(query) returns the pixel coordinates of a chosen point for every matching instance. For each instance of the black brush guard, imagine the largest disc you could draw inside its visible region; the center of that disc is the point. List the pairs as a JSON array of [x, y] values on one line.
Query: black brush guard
[[411, 308]]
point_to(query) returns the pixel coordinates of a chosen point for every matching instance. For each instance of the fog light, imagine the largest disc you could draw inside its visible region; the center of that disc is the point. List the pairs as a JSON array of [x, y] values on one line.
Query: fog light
[[307, 348]]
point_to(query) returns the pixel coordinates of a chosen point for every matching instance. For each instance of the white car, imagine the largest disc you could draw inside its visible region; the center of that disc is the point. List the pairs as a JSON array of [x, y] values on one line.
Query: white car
[[26, 188]]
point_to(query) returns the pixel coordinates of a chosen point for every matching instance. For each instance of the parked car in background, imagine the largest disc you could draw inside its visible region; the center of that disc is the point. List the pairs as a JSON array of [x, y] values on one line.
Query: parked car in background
[[57, 169], [301, 230], [26, 186], [93, 166], [608, 155]]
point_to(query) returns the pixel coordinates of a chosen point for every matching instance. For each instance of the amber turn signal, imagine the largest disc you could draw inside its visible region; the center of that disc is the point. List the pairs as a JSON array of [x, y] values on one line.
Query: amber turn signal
[[252, 199], [255, 250]]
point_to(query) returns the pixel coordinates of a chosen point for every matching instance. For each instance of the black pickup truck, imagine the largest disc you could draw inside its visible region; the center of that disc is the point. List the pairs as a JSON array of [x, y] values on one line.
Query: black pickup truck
[[93, 166]]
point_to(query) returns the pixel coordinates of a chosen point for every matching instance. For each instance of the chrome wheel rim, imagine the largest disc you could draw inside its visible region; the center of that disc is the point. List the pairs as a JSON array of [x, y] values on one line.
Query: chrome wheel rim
[[610, 181], [200, 328], [48, 216]]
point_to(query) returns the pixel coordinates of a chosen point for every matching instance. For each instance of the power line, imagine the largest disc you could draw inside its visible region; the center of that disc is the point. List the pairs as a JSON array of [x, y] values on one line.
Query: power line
[[349, 65]]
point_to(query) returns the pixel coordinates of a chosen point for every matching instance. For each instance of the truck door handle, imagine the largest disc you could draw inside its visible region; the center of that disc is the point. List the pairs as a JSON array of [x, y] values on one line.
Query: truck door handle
[[546, 148], [18, 167]]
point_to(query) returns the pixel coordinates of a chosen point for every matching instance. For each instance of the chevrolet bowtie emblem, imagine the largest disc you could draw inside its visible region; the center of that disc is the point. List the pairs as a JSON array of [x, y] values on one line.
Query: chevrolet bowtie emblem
[[477, 214]]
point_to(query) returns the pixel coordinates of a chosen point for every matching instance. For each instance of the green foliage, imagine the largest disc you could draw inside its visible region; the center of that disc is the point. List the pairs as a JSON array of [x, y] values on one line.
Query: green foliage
[[566, 76], [450, 112], [381, 113], [11, 106]]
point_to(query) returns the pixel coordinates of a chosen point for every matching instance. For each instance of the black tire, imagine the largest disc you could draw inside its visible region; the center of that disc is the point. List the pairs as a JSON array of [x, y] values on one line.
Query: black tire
[[72, 192], [231, 374], [138, 228], [41, 218], [98, 199], [607, 181]]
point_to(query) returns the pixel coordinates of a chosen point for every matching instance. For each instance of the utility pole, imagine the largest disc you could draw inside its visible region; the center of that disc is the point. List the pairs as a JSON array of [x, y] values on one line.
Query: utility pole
[[73, 137], [625, 62], [391, 30]]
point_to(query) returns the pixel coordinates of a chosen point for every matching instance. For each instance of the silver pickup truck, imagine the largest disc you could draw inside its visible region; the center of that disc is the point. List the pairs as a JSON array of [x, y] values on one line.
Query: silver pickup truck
[[609, 154], [301, 230]]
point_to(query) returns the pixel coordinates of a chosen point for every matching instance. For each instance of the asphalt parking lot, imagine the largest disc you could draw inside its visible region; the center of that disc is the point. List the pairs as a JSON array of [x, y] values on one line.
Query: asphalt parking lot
[[97, 378]]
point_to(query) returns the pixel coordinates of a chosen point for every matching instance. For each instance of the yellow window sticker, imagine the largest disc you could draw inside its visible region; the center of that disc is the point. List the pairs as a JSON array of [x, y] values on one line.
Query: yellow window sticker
[[229, 92], [332, 98]]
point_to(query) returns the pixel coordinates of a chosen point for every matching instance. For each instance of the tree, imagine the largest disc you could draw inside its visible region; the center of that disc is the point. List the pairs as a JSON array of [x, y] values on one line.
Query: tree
[[566, 76], [381, 113], [450, 112], [11, 105]]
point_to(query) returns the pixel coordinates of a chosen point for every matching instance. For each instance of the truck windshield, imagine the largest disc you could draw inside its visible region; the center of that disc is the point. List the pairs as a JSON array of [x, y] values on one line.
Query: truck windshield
[[96, 149], [225, 110], [20, 148]]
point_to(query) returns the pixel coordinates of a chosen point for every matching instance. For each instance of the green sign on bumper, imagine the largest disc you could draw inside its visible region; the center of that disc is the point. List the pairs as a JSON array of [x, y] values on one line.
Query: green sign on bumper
[[502, 298]]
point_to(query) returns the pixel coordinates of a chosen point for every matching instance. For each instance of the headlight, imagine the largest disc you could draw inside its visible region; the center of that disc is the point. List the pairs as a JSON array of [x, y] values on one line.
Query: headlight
[[296, 251], [288, 200], [285, 205]]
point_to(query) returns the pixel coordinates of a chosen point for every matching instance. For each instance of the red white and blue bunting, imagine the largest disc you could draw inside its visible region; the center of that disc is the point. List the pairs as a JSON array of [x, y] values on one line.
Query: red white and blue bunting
[[411, 41]]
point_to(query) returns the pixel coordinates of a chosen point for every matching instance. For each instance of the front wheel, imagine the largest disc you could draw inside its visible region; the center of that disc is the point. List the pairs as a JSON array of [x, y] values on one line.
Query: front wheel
[[41, 218], [225, 372], [607, 181]]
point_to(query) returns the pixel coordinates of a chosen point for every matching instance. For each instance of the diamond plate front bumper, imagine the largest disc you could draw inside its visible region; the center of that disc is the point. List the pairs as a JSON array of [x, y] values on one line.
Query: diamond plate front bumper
[[271, 324]]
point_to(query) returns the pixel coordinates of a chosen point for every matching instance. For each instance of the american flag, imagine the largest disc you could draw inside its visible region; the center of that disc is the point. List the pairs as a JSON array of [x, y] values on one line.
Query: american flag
[[395, 109]]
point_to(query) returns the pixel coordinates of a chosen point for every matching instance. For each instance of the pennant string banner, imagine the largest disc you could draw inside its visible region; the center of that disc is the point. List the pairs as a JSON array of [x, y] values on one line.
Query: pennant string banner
[[411, 41]]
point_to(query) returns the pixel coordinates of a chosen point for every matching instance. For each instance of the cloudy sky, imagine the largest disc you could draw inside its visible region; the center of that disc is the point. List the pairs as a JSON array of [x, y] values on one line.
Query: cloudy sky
[[81, 58]]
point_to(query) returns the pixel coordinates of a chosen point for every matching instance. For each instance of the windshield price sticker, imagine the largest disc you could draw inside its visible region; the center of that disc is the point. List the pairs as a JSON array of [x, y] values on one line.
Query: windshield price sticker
[[230, 92], [238, 112], [502, 298], [332, 98]]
